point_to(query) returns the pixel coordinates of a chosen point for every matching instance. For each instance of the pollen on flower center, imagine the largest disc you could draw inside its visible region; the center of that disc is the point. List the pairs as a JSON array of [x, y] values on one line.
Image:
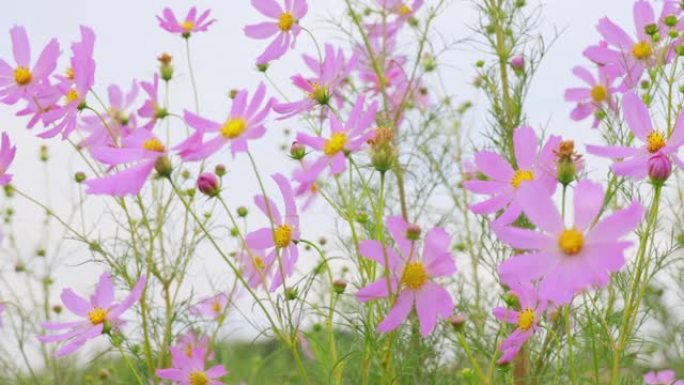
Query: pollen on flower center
[[525, 319], [404, 10], [70, 73], [198, 378], [97, 316], [71, 96], [216, 307], [642, 50], [414, 275], [187, 26], [258, 263], [319, 93], [655, 141], [521, 176], [335, 144], [599, 93], [153, 144], [286, 21], [282, 236], [233, 128], [22, 76], [571, 241]]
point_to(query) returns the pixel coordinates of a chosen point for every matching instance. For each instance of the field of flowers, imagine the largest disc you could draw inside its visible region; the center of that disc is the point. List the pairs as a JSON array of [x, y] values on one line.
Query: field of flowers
[[501, 254]]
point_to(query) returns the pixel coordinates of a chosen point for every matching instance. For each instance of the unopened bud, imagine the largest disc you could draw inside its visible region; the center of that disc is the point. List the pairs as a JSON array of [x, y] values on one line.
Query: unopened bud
[[220, 170], [659, 168], [79, 177], [457, 321], [262, 67], [339, 285], [291, 293], [297, 150], [163, 166], [384, 154], [518, 65], [208, 184], [413, 232], [165, 67], [242, 211], [57, 309], [43, 154]]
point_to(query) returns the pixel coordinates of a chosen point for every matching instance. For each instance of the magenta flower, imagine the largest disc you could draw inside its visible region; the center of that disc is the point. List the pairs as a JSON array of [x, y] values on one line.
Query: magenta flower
[[567, 260], [190, 369], [120, 121], [597, 96], [526, 319], [257, 268], [411, 276], [281, 238], [665, 377], [151, 109], [245, 122], [7, 152], [190, 24], [344, 139], [100, 314], [142, 148], [323, 87], [285, 25], [214, 306], [633, 162], [22, 81], [504, 181]]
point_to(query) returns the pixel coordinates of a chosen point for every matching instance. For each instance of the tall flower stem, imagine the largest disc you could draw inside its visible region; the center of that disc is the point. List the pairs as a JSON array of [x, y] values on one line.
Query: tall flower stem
[[192, 75]]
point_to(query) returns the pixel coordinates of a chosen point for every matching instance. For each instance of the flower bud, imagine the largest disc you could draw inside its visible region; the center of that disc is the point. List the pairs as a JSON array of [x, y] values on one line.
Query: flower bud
[[242, 211], [671, 20], [297, 151], [165, 67], [43, 154], [262, 67], [457, 321], [79, 177], [511, 300], [208, 184], [429, 63], [659, 168], [413, 232], [384, 154], [220, 170], [163, 166], [567, 162], [291, 293], [233, 94], [651, 29], [339, 286], [57, 309], [518, 65]]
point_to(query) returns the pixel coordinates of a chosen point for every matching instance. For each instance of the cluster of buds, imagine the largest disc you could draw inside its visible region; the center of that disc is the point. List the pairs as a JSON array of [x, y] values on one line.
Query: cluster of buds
[[165, 67], [568, 162], [384, 154]]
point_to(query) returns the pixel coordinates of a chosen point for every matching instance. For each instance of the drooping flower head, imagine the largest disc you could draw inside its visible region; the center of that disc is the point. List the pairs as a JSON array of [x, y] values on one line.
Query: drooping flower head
[[100, 314], [596, 97], [412, 275], [285, 26], [245, 122], [504, 182], [281, 237], [22, 80], [633, 162], [7, 152], [191, 369], [189, 25], [526, 319], [152, 109], [567, 259], [664, 377], [214, 306]]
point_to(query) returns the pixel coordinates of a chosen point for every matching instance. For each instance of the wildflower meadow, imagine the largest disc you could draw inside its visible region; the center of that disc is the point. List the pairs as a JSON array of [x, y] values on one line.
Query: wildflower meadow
[[402, 232]]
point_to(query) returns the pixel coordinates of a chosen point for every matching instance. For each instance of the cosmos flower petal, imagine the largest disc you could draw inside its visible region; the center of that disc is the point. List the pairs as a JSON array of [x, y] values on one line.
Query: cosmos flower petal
[[588, 202], [525, 267], [636, 115], [525, 146], [399, 312], [432, 302], [539, 208]]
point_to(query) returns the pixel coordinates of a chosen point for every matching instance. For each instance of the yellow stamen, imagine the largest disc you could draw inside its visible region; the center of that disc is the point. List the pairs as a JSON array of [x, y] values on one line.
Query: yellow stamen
[[335, 144], [22, 76], [599, 93], [655, 141], [258, 263], [188, 350], [187, 26], [71, 96], [233, 128], [97, 316], [521, 176], [404, 10], [70, 73], [642, 50], [286, 21], [319, 93], [414, 275], [571, 241], [153, 144], [198, 378], [525, 319], [282, 236], [216, 307]]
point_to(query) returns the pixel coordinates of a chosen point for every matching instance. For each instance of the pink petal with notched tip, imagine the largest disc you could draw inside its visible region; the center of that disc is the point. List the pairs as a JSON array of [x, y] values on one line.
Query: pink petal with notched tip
[[399, 312]]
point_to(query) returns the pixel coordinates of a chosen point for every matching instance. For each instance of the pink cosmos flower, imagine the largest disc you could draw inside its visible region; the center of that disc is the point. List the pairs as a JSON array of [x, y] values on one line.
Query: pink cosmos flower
[[22, 81], [281, 238], [214, 306], [190, 24], [411, 275], [142, 148], [597, 96], [7, 152], [323, 87], [245, 122], [567, 260], [344, 139], [120, 121], [191, 341], [100, 314], [285, 25], [400, 7], [152, 110], [257, 268], [665, 377], [190, 369], [307, 192], [504, 182], [526, 319], [633, 162]]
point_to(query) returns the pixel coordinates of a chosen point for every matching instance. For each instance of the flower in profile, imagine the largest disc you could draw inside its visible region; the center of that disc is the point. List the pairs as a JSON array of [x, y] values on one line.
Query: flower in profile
[[567, 259], [664, 377], [504, 182], [526, 319], [285, 25], [323, 87], [100, 314], [245, 122], [151, 109], [344, 139], [596, 97], [190, 24], [214, 306], [411, 275], [633, 162], [7, 152], [279, 240], [22, 81], [141, 148], [190, 369]]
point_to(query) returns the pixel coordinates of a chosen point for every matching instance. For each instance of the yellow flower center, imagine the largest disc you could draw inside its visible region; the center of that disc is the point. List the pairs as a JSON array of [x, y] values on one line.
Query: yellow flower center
[[187, 26], [286, 21], [655, 141], [525, 319], [71, 96], [414, 276], [404, 10], [521, 176], [599, 93], [216, 307], [198, 378], [335, 144], [571, 241], [642, 50], [70, 73], [319, 93], [188, 350], [97, 316], [233, 128], [282, 236], [153, 144], [258, 263], [22, 76]]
